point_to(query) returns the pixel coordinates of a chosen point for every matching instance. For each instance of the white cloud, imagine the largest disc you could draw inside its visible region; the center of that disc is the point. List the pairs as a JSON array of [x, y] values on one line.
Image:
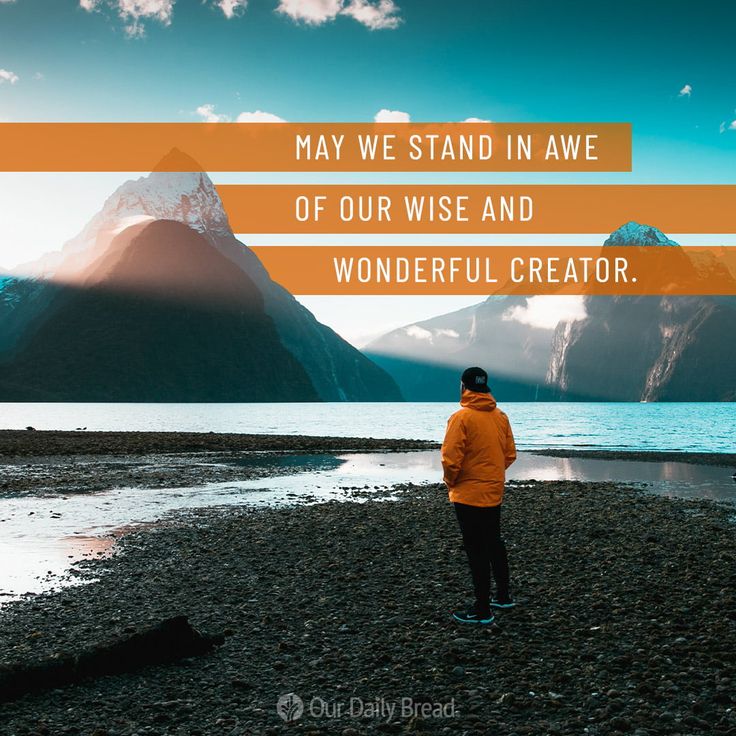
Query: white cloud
[[313, 12], [421, 333], [686, 91], [134, 13], [397, 116], [418, 333], [259, 116], [732, 125], [391, 116], [378, 15], [208, 114], [38, 76], [373, 14], [547, 311], [7, 76], [231, 8]]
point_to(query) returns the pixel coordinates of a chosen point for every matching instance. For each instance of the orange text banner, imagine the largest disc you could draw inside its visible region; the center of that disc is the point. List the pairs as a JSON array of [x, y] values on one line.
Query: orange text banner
[[400, 147], [394, 209], [484, 270]]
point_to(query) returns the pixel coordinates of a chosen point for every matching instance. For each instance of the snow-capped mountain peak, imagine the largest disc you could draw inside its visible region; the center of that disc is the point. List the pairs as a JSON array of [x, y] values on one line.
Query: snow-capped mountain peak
[[187, 197], [633, 233]]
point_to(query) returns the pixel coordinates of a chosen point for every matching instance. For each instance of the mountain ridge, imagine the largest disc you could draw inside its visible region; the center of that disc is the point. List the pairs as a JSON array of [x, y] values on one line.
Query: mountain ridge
[[337, 370]]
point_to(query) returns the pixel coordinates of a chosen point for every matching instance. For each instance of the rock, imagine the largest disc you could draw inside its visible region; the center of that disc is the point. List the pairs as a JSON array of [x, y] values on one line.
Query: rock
[[163, 643]]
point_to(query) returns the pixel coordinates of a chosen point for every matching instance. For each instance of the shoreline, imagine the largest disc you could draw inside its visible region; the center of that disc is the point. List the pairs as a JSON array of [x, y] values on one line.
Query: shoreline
[[62, 463], [19, 443], [23, 442], [720, 459], [352, 599]]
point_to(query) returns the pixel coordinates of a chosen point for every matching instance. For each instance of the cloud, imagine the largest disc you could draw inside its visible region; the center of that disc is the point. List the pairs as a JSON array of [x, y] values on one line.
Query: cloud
[[134, 13], [421, 333], [313, 12], [7, 76], [686, 91], [547, 311], [418, 333], [259, 116], [476, 120], [391, 116], [231, 8], [208, 114], [373, 14], [376, 16], [38, 76]]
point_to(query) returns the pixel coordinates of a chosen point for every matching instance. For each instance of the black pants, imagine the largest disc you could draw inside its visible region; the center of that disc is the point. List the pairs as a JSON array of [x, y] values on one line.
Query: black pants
[[481, 530]]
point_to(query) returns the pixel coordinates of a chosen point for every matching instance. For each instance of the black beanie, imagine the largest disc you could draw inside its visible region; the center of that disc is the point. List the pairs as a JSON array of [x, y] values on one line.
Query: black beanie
[[476, 379]]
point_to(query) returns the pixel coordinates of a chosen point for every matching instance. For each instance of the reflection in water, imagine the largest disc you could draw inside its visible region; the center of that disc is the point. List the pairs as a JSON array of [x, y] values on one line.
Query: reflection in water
[[42, 535]]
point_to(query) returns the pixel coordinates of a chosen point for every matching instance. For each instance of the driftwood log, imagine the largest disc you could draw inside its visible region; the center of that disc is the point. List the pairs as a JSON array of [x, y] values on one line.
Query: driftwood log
[[166, 642]]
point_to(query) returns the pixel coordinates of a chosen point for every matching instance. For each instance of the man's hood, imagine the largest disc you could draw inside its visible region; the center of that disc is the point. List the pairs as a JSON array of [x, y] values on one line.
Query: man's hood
[[476, 400]]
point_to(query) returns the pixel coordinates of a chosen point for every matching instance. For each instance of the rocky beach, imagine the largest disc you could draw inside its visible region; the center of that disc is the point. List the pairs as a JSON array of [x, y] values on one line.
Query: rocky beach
[[626, 622], [59, 462]]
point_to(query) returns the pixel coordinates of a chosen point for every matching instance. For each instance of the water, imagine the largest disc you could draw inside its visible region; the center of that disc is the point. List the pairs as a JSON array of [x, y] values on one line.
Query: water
[[45, 535], [695, 427], [42, 535]]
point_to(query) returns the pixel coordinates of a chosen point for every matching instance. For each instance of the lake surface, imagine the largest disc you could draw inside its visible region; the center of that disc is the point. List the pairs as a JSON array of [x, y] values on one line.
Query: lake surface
[[695, 427]]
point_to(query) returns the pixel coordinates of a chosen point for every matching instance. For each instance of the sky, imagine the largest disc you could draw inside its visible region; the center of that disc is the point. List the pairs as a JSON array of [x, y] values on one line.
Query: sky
[[667, 68]]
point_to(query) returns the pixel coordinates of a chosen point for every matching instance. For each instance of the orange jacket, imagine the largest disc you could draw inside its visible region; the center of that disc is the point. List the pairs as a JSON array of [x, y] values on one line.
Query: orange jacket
[[478, 448]]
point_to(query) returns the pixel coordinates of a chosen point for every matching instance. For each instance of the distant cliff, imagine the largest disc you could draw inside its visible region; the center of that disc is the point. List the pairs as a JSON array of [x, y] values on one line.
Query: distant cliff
[[616, 348], [648, 348]]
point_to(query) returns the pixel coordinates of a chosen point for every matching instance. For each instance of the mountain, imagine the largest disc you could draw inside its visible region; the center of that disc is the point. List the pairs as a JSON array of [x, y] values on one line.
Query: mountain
[[634, 234], [126, 334], [336, 371], [649, 348], [426, 358]]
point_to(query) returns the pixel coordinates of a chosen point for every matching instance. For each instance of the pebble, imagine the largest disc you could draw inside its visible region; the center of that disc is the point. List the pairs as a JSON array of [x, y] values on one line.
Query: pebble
[[594, 617]]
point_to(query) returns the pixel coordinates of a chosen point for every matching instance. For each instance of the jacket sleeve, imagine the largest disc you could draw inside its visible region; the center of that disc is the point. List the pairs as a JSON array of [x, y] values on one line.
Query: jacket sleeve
[[510, 450], [453, 448]]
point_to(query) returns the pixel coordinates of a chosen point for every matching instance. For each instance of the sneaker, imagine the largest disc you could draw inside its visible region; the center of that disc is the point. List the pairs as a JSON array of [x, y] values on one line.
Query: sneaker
[[502, 602], [472, 616]]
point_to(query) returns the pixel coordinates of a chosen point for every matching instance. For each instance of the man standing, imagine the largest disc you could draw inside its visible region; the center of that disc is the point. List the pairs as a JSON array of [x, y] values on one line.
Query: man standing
[[478, 447]]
